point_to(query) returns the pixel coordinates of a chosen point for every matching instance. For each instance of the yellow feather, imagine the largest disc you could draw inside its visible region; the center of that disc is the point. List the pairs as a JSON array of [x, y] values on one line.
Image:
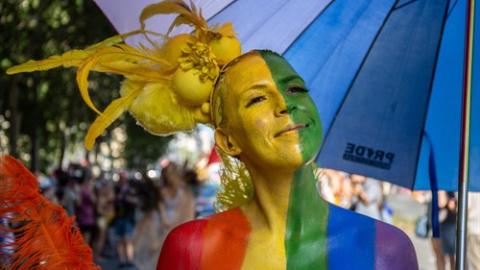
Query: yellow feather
[[68, 59], [82, 81], [134, 71], [120, 59], [111, 113], [131, 86], [125, 53], [114, 40], [173, 6]]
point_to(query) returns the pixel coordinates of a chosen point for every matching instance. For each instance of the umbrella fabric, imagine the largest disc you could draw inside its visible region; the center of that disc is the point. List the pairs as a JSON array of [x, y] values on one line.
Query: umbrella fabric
[[386, 76]]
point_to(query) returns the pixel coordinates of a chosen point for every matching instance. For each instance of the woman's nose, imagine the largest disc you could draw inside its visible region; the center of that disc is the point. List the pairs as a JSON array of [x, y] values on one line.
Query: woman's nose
[[282, 107]]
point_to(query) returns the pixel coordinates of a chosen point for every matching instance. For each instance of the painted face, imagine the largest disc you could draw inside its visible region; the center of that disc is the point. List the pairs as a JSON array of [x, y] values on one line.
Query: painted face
[[269, 113]]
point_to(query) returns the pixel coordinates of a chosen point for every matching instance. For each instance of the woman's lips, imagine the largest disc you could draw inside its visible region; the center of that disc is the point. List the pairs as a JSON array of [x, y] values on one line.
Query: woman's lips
[[290, 128]]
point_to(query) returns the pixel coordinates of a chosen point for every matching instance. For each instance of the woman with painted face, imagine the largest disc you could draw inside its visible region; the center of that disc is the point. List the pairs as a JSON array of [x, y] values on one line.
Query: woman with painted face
[[266, 121], [264, 116]]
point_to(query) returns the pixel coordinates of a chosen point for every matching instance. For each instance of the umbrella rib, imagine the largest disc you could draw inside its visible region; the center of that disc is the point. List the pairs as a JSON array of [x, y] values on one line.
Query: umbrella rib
[[358, 71], [407, 3], [432, 80], [266, 19], [451, 10], [221, 10], [308, 26]]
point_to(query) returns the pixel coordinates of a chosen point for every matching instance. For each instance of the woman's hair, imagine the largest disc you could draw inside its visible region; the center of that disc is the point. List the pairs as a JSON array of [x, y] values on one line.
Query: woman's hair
[[236, 186]]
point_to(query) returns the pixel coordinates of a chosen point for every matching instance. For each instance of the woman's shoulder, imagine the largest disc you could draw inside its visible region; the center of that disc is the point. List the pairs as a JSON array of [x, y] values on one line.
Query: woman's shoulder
[[185, 244], [232, 220], [390, 245]]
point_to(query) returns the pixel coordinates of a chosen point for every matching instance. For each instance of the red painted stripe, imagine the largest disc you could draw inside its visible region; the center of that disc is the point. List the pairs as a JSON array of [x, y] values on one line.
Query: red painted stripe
[[182, 249], [225, 241]]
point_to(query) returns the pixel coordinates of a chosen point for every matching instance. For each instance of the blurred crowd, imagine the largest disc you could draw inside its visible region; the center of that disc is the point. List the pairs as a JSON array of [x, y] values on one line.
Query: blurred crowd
[[127, 215], [130, 217], [355, 192]]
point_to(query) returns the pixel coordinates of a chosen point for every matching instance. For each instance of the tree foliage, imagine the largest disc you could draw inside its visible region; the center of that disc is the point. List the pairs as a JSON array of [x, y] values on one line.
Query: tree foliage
[[43, 113], [139, 140]]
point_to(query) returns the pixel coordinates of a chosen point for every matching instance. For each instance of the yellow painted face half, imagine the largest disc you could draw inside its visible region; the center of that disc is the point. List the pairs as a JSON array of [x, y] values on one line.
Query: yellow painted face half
[[270, 119]]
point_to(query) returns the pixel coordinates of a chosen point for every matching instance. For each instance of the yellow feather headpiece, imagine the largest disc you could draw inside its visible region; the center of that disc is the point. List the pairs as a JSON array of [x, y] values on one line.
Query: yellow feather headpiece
[[167, 86]]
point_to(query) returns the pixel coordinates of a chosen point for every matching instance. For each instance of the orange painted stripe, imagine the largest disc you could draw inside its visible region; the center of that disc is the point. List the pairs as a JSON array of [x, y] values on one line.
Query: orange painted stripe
[[225, 241]]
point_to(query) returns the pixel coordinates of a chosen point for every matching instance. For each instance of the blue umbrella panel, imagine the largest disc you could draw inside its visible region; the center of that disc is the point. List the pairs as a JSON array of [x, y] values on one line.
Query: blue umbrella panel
[[386, 76]]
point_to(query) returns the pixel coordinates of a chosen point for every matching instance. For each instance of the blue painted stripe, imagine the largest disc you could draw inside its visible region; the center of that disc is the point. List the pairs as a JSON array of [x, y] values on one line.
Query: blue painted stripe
[[350, 246]]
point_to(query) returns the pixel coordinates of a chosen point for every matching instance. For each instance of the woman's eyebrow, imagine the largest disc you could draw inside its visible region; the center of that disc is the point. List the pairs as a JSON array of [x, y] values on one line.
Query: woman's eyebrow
[[259, 86], [291, 78]]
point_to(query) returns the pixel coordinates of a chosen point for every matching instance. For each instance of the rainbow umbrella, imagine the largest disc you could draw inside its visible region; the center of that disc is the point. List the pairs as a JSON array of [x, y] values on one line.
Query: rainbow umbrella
[[395, 81]]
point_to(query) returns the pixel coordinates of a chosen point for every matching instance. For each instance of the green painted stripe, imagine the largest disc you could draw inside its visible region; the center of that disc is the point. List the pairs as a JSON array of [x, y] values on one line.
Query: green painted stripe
[[307, 220], [307, 217]]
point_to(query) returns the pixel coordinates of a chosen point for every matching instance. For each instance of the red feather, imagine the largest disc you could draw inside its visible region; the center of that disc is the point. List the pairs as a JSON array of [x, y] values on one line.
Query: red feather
[[45, 237]]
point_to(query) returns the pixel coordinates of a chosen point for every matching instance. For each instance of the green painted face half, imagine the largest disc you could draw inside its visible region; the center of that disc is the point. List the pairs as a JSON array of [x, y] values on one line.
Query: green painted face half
[[299, 103]]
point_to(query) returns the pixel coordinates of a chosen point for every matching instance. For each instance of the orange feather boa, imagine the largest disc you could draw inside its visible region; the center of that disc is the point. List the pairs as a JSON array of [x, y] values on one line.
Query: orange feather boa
[[38, 233]]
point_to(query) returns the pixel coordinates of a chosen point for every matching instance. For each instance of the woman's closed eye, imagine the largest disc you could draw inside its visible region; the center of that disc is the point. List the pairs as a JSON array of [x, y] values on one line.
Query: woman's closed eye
[[296, 89], [255, 100]]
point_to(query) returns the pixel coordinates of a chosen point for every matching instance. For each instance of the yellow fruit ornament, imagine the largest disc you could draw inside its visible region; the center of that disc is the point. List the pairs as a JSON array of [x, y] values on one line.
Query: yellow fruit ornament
[[190, 88], [193, 80], [225, 45], [172, 49], [226, 49]]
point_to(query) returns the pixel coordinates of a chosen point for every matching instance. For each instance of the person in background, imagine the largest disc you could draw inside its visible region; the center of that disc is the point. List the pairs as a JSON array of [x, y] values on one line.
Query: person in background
[[48, 189], [191, 180], [85, 207], [473, 230], [445, 244], [369, 195], [66, 192], [330, 185], [435, 241], [177, 204], [103, 209], [148, 230], [447, 204], [125, 204]]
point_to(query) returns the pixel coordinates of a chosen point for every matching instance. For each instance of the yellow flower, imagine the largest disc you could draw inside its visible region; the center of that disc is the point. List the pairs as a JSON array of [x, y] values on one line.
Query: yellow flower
[[198, 55]]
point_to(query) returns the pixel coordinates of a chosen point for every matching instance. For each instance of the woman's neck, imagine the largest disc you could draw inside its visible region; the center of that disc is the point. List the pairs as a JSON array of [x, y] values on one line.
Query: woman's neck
[[273, 192]]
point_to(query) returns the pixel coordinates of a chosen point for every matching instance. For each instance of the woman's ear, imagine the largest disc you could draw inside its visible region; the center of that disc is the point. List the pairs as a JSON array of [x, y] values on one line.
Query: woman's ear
[[226, 143]]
